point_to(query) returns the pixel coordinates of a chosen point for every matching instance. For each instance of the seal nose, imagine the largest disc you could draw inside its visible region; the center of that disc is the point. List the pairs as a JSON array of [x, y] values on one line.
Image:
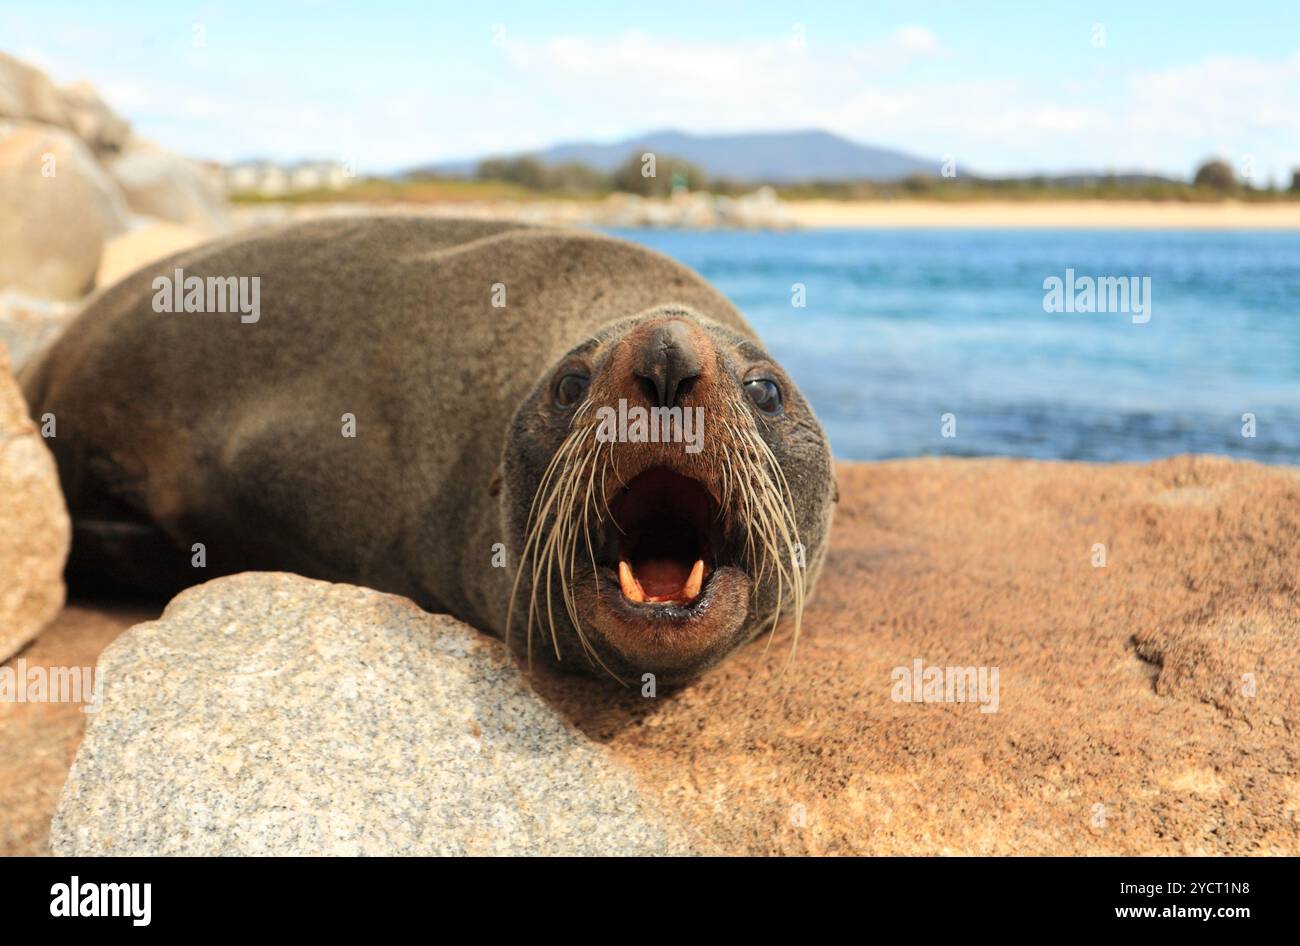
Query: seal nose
[[668, 362]]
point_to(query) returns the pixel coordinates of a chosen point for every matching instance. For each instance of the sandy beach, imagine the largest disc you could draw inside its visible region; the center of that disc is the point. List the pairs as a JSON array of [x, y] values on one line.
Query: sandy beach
[[703, 211], [1094, 214]]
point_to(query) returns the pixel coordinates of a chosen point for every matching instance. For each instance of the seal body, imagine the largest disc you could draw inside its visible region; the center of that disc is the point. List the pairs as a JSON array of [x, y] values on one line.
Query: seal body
[[389, 416]]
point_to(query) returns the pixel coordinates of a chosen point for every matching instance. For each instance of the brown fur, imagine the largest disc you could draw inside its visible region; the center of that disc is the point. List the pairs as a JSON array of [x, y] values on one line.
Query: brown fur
[[183, 428]]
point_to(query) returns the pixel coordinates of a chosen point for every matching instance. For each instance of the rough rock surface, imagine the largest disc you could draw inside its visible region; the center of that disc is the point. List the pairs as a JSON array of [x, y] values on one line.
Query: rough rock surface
[[269, 714], [1119, 685], [26, 94], [91, 118], [28, 325], [34, 527], [160, 184], [57, 207], [38, 740]]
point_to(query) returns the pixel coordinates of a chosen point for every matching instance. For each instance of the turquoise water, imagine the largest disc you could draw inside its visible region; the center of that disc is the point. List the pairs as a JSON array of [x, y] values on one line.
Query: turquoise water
[[903, 326]]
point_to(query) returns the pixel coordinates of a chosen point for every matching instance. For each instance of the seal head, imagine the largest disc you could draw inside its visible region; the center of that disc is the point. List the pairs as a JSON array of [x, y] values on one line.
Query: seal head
[[668, 493]]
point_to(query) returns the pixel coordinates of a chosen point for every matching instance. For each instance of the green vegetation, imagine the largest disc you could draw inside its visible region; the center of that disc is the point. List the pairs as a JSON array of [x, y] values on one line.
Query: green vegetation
[[670, 173], [574, 179], [1214, 181], [1217, 176], [571, 179], [528, 179]]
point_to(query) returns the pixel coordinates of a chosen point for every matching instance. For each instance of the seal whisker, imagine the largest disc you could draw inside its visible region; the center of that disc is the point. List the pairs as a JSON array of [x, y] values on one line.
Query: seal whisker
[[565, 491], [785, 536], [543, 498], [570, 603], [552, 547], [766, 509]]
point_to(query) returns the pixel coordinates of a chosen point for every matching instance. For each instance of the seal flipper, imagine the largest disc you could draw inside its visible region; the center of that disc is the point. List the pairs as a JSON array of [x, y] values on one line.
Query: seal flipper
[[117, 549], [124, 558]]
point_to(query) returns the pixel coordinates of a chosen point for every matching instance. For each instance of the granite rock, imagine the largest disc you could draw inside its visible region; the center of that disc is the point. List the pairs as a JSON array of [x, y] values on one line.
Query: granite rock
[[34, 527], [91, 118], [57, 208], [39, 740], [169, 187], [29, 325], [265, 713]]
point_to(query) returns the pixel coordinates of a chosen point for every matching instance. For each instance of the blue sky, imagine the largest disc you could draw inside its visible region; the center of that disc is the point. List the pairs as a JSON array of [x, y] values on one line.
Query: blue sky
[[1007, 88]]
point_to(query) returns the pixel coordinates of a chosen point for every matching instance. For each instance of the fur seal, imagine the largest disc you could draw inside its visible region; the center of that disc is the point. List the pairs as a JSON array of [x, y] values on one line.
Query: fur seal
[[499, 466]]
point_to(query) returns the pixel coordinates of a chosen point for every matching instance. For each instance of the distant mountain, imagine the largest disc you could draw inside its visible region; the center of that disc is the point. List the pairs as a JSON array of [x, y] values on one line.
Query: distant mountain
[[780, 157]]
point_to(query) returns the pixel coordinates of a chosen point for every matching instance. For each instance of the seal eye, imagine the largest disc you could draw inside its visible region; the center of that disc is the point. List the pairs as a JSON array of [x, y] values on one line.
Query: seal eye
[[570, 389], [765, 395]]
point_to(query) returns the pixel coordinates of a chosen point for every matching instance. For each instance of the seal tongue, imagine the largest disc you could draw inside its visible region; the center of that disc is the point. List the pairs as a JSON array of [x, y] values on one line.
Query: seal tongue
[[662, 541], [661, 579]]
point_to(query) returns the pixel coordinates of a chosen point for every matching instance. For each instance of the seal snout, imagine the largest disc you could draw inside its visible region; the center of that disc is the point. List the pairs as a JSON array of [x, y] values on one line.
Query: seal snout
[[667, 362]]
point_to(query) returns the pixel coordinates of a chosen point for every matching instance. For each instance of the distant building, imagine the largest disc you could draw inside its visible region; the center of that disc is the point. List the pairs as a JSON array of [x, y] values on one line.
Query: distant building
[[269, 179]]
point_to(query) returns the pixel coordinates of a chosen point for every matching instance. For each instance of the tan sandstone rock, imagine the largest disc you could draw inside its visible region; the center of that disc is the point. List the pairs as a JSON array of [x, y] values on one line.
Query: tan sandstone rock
[[1147, 706], [91, 118], [26, 94], [266, 713], [34, 527], [57, 208]]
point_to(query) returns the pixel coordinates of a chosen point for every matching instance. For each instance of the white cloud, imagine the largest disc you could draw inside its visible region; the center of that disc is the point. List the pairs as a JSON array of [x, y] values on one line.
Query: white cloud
[[916, 39], [910, 89], [1159, 120], [1226, 96]]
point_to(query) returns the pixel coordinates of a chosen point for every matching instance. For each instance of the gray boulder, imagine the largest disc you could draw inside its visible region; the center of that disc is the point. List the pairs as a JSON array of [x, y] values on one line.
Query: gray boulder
[[266, 713], [29, 325], [91, 118], [57, 209], [160, 184]]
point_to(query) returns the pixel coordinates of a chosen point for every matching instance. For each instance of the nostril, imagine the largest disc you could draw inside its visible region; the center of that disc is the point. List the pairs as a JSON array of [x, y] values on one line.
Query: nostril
[[668, 364], [650, 390]]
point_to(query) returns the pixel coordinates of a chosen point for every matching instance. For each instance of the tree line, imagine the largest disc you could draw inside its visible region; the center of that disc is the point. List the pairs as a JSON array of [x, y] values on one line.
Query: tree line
[[1212, 178]]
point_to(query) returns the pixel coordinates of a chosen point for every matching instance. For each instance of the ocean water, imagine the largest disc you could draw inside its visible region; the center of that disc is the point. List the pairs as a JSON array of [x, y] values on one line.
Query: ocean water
[[903, 326]]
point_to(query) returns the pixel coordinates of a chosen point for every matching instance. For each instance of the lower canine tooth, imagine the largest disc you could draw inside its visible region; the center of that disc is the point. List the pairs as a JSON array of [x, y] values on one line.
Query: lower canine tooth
[[627, 581], [693, 582]]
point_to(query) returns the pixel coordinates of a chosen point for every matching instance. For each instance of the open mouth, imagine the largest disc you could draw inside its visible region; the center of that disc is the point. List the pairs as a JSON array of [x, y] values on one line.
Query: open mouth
[[664, 540], [671, 588]]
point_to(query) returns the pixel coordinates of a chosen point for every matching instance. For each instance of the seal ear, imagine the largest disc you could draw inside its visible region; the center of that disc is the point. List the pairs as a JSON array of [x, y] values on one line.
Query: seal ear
[[494, 484]]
